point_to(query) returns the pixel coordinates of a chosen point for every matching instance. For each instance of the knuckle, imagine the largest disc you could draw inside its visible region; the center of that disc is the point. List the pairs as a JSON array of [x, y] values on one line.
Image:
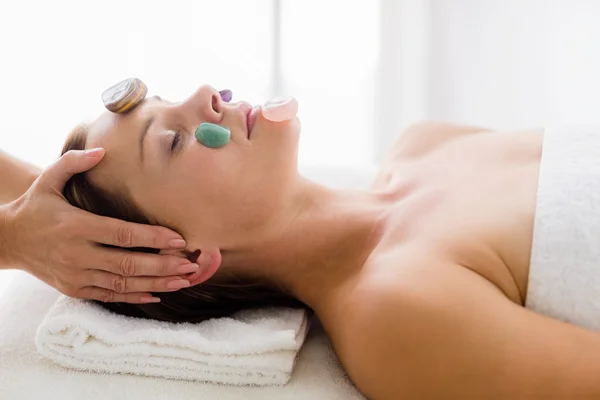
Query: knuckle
[[157, 285], [126, 266], [69, 229], [119, 284], [62, 257], [68, 155], [153, 239], [62, 225], [68, 158], [78, 279], [123, 237], [106, 296], [69, 291], [72, 254], [163, 269], [70, 224]]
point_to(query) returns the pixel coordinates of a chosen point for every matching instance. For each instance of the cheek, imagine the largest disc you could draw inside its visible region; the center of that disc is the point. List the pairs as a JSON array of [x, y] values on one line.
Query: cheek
[[221, 183], [208, 175]]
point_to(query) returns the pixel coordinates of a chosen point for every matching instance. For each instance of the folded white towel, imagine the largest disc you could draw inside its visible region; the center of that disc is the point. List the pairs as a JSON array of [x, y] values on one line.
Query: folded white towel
[[252, 347]]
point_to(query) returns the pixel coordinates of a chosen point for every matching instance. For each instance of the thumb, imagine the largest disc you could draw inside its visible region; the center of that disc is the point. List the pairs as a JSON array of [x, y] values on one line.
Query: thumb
[[69, 164]]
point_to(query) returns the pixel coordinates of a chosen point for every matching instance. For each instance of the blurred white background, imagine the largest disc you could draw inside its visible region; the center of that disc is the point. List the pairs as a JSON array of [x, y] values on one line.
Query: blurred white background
[[360, 69], [58, 56]]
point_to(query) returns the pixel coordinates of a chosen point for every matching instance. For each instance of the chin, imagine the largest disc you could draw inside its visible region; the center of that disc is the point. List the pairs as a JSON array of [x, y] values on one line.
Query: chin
[[267, 130], [276, 143], [289, 131]]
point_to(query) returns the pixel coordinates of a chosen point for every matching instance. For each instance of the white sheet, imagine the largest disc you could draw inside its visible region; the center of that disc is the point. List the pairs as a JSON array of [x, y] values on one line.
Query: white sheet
[[25, 375]]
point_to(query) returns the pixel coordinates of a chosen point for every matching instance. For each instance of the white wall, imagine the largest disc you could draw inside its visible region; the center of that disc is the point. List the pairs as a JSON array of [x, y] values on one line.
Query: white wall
[[330, 56], [361, 69], [498, 63], [57, 57], [515, 63]]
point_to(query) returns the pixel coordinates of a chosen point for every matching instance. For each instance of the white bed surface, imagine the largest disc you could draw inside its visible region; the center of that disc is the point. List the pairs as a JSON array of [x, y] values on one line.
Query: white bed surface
[[25, 375]]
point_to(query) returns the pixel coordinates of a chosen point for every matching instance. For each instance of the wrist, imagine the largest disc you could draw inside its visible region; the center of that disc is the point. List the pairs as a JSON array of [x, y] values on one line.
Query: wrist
[[6, 229], [34, 173], [29, 179]]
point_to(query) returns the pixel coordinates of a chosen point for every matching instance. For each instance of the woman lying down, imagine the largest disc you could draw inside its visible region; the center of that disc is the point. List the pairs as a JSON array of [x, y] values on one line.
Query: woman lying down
[[466, 270]]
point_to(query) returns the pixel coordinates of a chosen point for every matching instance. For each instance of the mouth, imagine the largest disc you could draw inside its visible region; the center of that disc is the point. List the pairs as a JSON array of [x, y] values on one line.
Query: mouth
[[246, 110], [252, 118], [249, 115]]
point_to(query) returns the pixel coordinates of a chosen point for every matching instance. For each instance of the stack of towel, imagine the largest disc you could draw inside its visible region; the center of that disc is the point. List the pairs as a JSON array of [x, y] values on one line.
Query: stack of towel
[[252, 347]]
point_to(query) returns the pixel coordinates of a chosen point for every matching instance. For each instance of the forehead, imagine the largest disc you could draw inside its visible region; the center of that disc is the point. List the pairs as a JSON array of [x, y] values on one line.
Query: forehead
[[110, 127], [119, 136], [123, 126], [117, 130]]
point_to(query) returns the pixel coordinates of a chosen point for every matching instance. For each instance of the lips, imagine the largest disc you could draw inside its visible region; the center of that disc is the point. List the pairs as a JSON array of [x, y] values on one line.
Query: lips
[[245, 109], [249, 115], [252, 118]]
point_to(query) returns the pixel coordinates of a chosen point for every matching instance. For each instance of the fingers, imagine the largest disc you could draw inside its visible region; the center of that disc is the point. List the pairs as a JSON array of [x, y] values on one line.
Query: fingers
[[134, 263], [128, 234], [69, 164], [124, 285], [108, 296]]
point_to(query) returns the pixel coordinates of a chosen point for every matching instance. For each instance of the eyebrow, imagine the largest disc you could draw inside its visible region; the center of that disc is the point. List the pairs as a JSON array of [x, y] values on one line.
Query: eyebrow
[[144, 133], [145, 129]]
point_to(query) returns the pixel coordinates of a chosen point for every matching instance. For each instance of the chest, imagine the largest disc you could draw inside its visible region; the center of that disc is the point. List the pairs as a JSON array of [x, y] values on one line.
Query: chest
[[471, 201]]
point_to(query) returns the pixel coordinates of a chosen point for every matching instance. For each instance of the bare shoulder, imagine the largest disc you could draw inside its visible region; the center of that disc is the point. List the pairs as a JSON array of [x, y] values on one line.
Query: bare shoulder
[[393, 318], [422, 136], [419, 139], [399, 335], [440, 330]]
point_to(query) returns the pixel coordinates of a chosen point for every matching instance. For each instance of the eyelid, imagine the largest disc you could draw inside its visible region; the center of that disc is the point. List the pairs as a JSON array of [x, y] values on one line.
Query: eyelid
[[175, 141]]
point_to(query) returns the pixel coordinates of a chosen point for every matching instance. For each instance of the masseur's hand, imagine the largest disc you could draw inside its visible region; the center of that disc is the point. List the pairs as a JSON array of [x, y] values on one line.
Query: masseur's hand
[[61, 244]]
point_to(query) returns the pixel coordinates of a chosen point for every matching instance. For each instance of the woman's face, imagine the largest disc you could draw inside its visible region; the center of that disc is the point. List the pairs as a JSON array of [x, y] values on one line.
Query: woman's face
[[211, 196]]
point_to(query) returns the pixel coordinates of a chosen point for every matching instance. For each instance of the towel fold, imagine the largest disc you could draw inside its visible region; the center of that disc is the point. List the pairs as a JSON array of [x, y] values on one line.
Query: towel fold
[[251, 347]]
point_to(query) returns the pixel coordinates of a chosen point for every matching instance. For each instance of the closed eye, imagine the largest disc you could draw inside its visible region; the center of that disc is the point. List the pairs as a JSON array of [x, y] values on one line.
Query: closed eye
[[176, 140]]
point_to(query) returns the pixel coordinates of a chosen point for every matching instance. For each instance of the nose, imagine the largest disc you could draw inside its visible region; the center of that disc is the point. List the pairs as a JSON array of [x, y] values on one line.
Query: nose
[[205, 105]]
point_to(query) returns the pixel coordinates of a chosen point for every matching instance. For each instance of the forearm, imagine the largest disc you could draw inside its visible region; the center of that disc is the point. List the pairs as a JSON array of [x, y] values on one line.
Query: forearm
[[4, 234], [16, 177]]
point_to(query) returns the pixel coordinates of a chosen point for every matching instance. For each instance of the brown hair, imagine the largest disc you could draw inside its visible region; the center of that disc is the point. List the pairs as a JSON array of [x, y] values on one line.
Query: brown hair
[[217, 297]]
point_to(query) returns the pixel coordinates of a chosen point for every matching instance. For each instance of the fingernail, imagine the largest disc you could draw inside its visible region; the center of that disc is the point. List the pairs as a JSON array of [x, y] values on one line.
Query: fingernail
[[177, 244], [150, 299], [93, 152], [187, 268], [178, 284]]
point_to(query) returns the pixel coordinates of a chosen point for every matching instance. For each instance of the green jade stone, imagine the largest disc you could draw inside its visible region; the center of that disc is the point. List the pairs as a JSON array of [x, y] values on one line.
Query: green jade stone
[[212, 135]]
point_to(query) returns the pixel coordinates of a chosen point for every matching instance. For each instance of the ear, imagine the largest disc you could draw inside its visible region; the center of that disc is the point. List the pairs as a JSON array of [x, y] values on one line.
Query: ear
[[209, 261]]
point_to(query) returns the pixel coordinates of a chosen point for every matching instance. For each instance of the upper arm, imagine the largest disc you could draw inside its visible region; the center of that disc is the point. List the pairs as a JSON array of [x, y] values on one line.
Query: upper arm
[[459, 337]]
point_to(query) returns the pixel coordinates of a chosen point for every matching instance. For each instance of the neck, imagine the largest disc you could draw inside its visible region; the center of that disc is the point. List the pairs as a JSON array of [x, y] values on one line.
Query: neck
[[323, 238]]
